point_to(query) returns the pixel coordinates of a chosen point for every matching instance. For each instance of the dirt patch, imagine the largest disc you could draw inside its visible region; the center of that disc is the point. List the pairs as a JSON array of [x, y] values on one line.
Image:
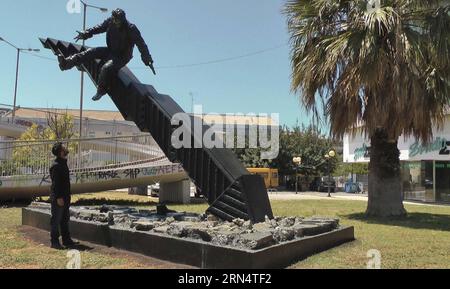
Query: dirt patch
[[41, 237]]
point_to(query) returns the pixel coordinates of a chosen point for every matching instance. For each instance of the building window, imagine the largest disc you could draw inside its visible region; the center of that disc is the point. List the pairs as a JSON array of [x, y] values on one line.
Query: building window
[[442, 181]]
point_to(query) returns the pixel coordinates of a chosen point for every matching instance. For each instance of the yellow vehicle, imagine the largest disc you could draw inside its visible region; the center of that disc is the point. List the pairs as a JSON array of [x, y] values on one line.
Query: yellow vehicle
[[270, 176]]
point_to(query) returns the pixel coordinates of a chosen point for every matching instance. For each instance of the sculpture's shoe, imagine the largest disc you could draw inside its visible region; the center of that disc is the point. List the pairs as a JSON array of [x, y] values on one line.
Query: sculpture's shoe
[[65, 63], [98, 96]]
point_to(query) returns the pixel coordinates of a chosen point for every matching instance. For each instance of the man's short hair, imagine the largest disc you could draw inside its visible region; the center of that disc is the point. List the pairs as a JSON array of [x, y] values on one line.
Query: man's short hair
[[57, 147]]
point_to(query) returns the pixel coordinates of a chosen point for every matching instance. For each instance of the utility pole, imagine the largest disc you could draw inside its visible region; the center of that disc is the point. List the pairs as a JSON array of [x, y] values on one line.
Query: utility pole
[[85, 6], [19, 50]]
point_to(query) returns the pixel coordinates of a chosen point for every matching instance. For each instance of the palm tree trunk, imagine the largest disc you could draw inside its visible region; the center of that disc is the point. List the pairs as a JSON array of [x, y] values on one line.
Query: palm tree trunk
[[385, 186]]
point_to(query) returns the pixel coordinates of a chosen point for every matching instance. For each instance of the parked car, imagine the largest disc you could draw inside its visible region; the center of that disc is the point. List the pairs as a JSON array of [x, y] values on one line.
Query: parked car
[[195, 191], [154, 190], [323, 183]]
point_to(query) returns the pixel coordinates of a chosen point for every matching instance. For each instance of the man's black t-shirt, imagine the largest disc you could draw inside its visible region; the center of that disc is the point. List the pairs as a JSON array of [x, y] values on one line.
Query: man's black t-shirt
[[60, 175]]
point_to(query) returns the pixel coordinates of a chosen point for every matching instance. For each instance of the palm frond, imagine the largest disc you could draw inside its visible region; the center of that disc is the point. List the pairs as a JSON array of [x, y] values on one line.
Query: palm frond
[[386, 67]]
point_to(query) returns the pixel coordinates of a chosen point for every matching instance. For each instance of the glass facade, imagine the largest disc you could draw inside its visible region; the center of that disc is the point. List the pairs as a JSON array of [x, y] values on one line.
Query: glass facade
[[416, 178], [442, 181], [427, 181]]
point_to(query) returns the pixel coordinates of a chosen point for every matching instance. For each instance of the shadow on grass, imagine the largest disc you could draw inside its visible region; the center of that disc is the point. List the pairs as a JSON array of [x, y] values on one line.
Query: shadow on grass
[[81, 247], [413, 220], [128, 203], [15, 203], [99, 202], [198, 201]]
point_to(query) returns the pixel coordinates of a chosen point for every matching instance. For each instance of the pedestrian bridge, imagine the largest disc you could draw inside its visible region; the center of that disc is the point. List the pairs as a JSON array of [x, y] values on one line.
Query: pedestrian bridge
[[96, 164]]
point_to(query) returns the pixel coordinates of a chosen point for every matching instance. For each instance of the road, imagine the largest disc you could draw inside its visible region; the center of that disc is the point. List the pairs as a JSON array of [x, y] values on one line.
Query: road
[[334, 196]]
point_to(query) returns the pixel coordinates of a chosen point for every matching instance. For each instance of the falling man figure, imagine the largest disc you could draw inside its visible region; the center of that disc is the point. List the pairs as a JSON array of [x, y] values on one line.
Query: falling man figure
[[121, 37]]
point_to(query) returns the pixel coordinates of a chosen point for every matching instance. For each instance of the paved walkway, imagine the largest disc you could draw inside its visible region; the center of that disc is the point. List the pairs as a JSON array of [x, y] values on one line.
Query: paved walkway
[[334, 196]]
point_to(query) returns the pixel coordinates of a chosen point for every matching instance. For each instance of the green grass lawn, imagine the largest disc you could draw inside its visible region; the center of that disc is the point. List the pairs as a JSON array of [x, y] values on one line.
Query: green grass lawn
[[422, 240], [18, 252]]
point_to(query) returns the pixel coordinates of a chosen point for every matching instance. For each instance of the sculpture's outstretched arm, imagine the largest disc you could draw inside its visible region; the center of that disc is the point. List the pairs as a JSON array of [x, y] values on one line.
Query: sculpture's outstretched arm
[[101, 28]]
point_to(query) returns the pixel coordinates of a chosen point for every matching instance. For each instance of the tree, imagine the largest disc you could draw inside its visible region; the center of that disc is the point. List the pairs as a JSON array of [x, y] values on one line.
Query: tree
[[33, 152], [383, 70], [60, 126], [309, 144], [251, 157], [344, 169]]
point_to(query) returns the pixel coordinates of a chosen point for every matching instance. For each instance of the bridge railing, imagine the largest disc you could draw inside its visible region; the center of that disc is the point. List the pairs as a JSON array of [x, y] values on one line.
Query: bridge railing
[[35, 157]]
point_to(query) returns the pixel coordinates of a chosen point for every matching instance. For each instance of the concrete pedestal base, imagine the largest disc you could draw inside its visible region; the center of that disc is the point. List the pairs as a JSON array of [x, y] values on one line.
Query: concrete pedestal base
[[178, 192], [194, 252]]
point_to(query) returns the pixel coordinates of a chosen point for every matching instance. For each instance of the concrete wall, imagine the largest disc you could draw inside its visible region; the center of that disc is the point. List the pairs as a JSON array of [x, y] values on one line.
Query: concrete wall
[[177, 192], [84, 182]]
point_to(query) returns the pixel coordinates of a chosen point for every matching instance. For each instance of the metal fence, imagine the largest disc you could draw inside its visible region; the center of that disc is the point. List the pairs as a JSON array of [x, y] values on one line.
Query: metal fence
[[35, 157]]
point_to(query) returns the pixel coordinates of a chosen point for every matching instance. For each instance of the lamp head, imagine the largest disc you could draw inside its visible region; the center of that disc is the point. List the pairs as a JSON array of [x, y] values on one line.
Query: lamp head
[[332, 153]]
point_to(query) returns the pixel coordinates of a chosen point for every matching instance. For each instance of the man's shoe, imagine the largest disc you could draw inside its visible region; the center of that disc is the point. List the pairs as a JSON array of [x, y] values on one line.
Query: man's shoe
[[57, 246], [98, 96], [71, 243]]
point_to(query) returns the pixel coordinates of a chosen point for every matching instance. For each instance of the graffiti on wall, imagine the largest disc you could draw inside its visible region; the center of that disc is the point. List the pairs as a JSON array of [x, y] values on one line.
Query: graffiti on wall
[[96, 176]]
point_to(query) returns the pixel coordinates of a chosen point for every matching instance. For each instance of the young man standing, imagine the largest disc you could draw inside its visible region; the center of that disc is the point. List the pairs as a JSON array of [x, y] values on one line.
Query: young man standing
[[60, 198]]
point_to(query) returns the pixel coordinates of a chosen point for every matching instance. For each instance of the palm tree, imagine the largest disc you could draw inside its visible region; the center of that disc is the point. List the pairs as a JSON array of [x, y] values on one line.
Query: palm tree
[[381, 69]]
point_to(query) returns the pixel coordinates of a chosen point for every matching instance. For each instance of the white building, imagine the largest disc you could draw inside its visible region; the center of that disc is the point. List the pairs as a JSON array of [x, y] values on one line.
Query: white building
[[106, 124]]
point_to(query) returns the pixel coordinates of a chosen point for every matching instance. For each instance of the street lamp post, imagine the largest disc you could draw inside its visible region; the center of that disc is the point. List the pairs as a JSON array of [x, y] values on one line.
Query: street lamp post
[[85, 6], [297, 161], [331, 154], [19, 50]]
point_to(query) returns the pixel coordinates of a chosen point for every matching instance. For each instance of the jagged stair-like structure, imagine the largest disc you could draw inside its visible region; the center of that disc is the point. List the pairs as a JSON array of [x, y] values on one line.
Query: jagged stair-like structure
[[231, 190]]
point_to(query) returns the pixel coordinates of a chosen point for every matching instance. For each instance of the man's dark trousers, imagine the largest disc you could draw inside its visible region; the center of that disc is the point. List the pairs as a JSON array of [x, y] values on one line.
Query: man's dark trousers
[[60, 221]]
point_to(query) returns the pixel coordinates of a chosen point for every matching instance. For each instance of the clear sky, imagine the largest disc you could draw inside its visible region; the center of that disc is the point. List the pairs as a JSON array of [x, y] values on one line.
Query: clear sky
[[178, 32]]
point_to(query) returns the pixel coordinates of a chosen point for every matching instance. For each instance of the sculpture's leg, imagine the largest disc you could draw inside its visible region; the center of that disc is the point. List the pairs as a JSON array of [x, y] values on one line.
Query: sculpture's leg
[[82, 57], [108, 71]]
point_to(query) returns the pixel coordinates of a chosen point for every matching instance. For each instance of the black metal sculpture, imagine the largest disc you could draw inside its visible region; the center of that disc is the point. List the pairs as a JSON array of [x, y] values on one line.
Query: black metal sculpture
[[121, 37], [231, 190]]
